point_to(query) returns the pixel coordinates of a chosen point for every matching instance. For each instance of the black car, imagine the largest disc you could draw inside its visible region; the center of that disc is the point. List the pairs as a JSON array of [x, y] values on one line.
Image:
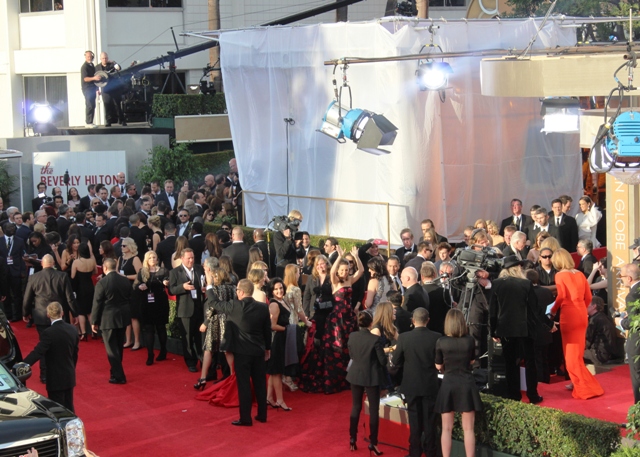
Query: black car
[[27, 419]]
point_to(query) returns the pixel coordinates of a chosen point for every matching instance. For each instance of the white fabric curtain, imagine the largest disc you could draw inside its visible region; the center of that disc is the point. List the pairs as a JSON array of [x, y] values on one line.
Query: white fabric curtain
[[452, 162]]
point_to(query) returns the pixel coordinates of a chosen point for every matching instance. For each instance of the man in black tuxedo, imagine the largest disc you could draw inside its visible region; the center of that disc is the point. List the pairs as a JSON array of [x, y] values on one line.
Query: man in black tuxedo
[[186, 283], [183, 223], [517, 218], [111, 314], [100, 234], [85, 202], [163, 213], [41, 197], [251, 342], [414, 295], [86, 233], [439, 297], [425, 252], [408, 246], [393, 268], [197, 242], [518, 246], [567, 226], [427, 224], [587, 260], [58, 346], [44, 287], [12, 248], [167, 247], [331, 249], [542, 225], [514, 316], [268, 252], [630, 275], [168, 195], [239, 252], [305, 247], [416, 353], [64, 214]]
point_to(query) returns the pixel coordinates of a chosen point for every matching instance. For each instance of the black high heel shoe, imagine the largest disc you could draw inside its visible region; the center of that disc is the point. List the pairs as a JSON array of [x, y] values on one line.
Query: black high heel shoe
[[373, 448], [83, 337], [352, 445], [200, 384], [284, 408], [273, 405]]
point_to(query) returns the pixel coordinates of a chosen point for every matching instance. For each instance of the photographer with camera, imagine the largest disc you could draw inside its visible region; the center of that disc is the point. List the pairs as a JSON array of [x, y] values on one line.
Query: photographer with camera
[[285, 241]]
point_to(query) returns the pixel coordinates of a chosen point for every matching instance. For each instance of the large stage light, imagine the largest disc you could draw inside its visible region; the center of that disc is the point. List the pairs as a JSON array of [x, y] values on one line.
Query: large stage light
[[41, 117], [617, 148], [560, 115], [368, 130], [433, 75]]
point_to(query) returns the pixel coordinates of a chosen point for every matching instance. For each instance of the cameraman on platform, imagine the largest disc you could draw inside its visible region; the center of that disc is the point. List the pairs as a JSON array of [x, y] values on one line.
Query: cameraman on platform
[[285, 243]]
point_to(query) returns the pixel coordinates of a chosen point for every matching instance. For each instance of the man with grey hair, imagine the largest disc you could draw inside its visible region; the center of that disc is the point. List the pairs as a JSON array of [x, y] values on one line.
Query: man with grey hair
[[517, 246], [587, 259], [414, 295], [64, 214]]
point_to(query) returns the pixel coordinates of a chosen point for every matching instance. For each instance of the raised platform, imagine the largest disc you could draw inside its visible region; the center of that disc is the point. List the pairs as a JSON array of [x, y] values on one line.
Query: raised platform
[[139, 128]]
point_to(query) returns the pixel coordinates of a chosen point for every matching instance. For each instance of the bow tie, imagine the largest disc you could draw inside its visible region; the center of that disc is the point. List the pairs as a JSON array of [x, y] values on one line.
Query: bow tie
[[183, 225]]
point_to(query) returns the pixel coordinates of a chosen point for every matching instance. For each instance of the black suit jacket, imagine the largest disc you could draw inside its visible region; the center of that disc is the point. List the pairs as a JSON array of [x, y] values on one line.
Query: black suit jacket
[[85, 203], [567, 231], [37, 202], [402, 320], [416, 263], [368, 359], [415, 297], [633, 295], [416, 352], [63, 227], [162, 196], [514, 309], [586, 264], [165, 250], [186, 305], [198, 246], [401, 252], [250, 322], [268, 255], [439, 306], [533, 232], [239, 253], [18, 268], [59, 347], [524, 221], [44, 287], [112, 302]]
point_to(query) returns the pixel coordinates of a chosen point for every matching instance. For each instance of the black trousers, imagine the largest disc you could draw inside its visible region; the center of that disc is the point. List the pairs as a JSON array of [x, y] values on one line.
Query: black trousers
[[113, 342], [113, 109], [251, 369], [357, 394], [189, 328], [14, 311], [514, 349], [89, 103], [149, 331], [43, 363], [422, 425], [64, 397]]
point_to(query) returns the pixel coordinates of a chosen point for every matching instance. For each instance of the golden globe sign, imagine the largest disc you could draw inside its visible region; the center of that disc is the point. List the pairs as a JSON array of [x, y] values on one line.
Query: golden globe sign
[[91, 167]]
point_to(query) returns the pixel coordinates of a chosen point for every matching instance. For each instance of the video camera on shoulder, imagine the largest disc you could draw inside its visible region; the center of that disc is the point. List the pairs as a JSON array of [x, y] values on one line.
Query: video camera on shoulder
[[486, 259], [281, 223]]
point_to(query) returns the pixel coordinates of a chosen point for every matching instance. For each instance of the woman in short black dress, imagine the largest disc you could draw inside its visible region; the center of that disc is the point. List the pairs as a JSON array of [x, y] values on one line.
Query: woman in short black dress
[[458, 392], [128, 265], [276, 368]]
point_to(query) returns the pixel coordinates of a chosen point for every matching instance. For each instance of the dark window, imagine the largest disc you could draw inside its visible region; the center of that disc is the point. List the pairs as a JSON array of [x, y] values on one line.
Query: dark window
[[33, 6], [446, 3], [144, 3], [47, 89]]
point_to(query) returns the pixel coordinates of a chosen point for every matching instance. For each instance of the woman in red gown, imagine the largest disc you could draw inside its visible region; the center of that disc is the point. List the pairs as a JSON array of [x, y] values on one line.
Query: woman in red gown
[[574, 295]]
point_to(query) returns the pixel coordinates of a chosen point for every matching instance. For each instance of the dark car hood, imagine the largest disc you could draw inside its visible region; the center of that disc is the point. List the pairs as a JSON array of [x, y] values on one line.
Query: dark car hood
[[27, 414]]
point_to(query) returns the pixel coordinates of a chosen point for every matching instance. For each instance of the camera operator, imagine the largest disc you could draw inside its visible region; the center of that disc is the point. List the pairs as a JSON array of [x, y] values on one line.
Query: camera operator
[[285, 241]]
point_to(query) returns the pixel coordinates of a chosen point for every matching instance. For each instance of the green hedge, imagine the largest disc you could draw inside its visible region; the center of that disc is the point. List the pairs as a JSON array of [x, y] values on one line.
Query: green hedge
[[170, 105], [214, 162], [527, 430]]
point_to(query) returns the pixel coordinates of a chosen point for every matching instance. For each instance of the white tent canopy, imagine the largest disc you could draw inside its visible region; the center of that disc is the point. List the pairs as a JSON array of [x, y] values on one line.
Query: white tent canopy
[[452, 162]]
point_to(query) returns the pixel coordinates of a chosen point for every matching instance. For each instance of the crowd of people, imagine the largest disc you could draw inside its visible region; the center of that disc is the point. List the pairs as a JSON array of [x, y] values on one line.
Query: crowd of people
[[291, 310]]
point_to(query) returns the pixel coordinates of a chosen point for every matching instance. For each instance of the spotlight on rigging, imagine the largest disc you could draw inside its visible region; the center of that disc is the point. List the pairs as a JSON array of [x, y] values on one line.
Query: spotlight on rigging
[[561, 115], [616, 149], [368, 130], [41, 117], [433, 75]]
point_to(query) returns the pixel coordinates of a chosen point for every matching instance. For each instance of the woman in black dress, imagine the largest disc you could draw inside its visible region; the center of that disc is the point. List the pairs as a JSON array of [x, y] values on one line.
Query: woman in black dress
[[276, 366], [128, 265], [82, 271], [365, 374], [153, 304], [458, 392]]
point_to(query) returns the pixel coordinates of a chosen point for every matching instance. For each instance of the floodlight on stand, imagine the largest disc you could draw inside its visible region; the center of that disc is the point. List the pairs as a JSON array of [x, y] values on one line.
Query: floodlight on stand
[[365, 128], [560, 114], [41, 117], [433, 75]]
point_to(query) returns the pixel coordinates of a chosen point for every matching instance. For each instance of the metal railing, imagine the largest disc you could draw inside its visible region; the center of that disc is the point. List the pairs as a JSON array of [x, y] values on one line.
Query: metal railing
[[327, 200]]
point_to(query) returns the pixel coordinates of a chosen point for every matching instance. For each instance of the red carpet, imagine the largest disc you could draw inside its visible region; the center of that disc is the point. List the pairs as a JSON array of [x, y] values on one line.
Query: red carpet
[[156, 412], [612, 406]]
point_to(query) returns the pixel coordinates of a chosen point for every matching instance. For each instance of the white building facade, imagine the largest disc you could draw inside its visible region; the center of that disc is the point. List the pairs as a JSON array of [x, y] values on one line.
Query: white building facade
[[42, 42]]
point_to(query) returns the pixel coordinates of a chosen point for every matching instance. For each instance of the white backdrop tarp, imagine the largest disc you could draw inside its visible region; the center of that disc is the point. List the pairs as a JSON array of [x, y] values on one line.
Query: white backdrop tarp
[[452, 162]]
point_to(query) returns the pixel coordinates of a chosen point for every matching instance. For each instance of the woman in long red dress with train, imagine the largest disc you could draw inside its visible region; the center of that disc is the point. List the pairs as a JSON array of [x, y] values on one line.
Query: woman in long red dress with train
[[574, 295]]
